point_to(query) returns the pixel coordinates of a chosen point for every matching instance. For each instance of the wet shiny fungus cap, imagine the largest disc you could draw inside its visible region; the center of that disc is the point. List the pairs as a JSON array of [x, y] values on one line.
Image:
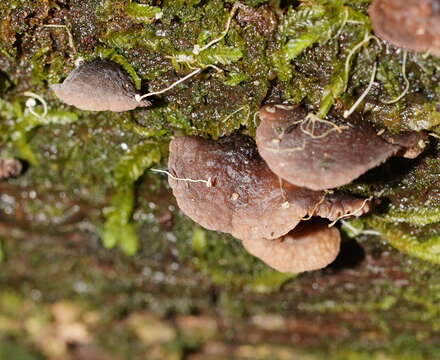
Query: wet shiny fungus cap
[[235, 192], [318, 154], [99, 85], [411, 24], [310, 246]]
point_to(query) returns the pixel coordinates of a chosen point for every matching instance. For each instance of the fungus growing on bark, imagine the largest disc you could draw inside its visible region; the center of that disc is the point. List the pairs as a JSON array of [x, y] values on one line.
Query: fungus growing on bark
[[243, 190], [226, 186], [319, 154], [9, 167], [310, 246], [412, 143], [412, 24], [99, 85]]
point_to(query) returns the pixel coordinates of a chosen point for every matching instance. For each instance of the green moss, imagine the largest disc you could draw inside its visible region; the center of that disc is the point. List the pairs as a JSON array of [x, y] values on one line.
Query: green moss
[[419, 216], [24, 123], [319, 54], [413, 241], [332, 31], [2, 251], [119, 229], [227, 263], [143, 12]]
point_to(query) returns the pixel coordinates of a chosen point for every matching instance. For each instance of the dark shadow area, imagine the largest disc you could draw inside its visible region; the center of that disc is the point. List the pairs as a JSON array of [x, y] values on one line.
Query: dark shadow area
[[284, 4], [350, 256], [396, 168], [5, 83]]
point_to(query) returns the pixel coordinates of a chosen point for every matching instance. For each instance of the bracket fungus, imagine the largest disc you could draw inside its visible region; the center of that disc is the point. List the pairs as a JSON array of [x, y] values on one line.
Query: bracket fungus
[[99, 85], [310, 246], [320, 154], [226, 186], [10, 167], [412, 24]]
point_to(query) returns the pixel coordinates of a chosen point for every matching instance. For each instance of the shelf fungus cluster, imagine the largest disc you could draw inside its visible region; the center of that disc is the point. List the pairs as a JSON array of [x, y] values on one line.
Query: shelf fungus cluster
[[262, 193], [226, 186], [412, 24], [99, 85]]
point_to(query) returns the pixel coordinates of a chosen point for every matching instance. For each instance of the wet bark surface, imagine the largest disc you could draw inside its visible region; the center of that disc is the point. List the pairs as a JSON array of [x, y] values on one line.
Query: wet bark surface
[[188, 293]]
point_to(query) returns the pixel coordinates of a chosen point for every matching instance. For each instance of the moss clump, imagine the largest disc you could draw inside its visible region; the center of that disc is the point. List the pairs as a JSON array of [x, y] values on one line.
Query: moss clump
[[421, 242], [227, 263], [119, 229]]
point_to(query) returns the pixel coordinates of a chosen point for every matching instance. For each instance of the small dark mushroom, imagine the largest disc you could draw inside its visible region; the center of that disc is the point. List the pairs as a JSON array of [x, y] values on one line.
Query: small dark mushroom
[[9, 167], [411, 24], [319, 154], [312, 245], [99, 85]]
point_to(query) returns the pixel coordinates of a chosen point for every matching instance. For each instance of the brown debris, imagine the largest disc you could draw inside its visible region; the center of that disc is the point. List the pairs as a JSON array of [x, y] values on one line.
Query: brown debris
[[263, 18], [9, 167]]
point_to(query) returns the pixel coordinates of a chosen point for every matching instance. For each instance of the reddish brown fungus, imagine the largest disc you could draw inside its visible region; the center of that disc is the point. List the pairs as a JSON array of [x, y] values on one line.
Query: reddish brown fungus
[[99, 85], [320, 154], [245, 198], [412, 143], [9, 168], [411, 24], [226, 186], [310, 246], [336, 206]]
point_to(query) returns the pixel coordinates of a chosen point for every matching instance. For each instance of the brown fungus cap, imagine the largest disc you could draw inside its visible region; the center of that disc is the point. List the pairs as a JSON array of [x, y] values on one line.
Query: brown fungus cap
[[240, 195], [318, 154], [335, 206], [9, 167], [226, 186], [310, 246], [412, 143], [99, 85], [411, 24]]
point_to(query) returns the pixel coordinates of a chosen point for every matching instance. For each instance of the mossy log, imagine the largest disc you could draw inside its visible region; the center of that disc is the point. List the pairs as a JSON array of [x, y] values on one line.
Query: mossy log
[[96, 259]]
